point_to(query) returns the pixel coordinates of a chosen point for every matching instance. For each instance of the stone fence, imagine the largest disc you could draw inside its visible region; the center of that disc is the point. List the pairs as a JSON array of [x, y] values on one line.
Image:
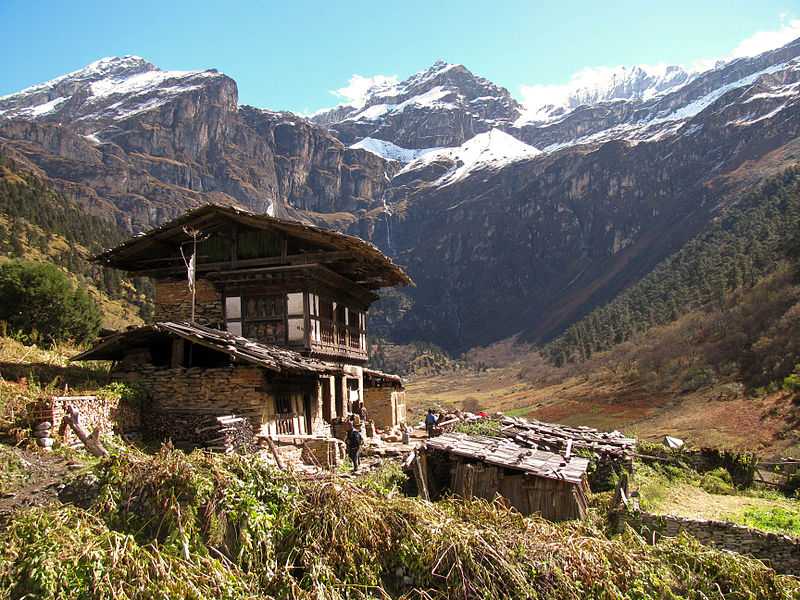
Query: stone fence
[[109, 415], [781, 552]]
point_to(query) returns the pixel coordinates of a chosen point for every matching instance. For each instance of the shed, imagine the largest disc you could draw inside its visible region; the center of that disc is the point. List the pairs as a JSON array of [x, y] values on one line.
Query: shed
[[384, 398], [532, 481]]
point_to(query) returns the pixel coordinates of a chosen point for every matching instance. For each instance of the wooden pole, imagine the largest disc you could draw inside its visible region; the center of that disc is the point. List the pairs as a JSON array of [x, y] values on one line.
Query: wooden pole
[[274, 451], [91, 441]]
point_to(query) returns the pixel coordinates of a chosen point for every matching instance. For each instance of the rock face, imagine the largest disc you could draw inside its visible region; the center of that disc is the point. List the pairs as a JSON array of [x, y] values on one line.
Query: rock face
[[509, 221], [444, 105], [127, 139]]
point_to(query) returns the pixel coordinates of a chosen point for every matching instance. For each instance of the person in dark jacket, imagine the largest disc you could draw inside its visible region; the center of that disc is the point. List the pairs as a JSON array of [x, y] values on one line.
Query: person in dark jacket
[[353, 443], [430, 421]]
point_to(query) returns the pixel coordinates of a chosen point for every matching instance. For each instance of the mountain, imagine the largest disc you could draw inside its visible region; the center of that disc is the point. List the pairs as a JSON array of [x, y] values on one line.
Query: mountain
[[510, 221], [142, 145], [445, 105], [593, 86]]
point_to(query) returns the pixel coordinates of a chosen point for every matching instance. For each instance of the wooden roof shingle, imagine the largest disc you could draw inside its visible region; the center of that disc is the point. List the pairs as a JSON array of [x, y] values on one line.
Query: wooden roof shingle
[[267, 356], [507, 454]]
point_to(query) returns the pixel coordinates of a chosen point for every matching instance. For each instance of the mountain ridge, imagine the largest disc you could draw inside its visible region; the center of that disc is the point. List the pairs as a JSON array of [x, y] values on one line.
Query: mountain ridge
[[548, 220]]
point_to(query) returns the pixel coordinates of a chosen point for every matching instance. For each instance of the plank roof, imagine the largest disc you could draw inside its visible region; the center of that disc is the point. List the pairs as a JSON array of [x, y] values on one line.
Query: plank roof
[[505, 453], [360, 260], [273, 358], [555, 437], [379, 377]]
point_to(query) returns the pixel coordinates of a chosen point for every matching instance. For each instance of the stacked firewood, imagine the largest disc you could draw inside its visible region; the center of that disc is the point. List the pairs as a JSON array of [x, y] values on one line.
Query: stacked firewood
[[227, 434]]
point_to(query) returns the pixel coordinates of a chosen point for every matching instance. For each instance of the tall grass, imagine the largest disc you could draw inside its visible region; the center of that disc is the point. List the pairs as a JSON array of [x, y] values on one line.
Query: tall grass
[[201, 526]]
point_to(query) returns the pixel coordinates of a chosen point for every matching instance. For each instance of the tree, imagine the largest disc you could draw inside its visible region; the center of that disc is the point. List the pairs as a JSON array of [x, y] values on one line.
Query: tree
[[40, 304]]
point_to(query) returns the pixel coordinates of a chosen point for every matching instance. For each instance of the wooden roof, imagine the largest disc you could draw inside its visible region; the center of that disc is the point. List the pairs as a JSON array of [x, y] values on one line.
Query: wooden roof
[[379, 377], [509, 455], [555, 438], [351, 256], [269, 357]]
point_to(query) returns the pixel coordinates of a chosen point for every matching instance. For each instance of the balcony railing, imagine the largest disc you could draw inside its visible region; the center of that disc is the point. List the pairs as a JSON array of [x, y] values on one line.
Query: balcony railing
[[285, 424], [337, 336]]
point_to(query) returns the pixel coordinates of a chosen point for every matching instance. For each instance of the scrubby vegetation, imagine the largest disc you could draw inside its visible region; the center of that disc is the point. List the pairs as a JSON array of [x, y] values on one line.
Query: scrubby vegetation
[[735, 252], [41, 304], [37, 223], [202, 526]]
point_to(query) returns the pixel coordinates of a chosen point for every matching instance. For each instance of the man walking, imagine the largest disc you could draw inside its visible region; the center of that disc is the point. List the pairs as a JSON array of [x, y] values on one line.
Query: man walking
[[430, 421], [353, 442]]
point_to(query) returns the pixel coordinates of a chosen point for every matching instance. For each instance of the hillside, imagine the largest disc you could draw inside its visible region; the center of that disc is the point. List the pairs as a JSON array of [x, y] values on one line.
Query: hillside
[[38, 224], [548, 213], [739, 247], [719, 375]]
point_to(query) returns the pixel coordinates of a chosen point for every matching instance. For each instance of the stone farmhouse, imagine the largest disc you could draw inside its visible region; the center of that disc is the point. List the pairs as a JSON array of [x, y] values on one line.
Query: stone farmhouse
[[273, 330]]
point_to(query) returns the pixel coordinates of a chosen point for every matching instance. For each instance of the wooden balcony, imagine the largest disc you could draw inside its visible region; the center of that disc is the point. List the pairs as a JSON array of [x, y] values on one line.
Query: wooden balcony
[[339, 340]]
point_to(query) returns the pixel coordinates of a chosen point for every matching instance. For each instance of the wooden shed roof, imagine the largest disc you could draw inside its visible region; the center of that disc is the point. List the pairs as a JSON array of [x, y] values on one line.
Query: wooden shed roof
[[554, 437], [356, 259], [509, 455], [269, 357], [373, 375]]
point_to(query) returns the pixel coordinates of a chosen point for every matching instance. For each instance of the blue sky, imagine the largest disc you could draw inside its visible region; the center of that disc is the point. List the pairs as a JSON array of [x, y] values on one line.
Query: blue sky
[[293, 54]]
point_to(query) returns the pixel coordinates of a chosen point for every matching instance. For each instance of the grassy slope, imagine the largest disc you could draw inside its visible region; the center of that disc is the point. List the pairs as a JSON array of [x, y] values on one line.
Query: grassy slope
[[682, 493], [118, 313], [677, 379]]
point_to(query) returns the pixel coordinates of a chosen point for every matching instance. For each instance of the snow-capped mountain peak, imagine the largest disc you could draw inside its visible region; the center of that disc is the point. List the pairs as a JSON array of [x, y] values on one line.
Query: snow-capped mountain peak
[[602, 84], [110, 88], [444, 88], [493, 150]]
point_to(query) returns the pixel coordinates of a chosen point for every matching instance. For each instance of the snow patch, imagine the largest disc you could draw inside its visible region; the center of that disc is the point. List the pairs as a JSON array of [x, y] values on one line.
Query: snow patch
[[491, 150], [46, 108], [390, 151]]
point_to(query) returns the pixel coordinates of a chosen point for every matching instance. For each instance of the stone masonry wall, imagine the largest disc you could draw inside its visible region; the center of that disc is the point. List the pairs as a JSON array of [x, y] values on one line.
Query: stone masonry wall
[[781, 552], [179, 396], [174, 302], [110, 416], [378, 401]]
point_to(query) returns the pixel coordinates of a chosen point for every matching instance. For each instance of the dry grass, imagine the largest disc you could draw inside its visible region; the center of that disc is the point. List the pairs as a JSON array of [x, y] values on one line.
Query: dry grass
[[201, 526]]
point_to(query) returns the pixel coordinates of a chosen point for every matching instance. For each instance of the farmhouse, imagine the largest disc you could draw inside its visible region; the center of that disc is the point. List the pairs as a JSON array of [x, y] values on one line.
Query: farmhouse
[[273, 327]]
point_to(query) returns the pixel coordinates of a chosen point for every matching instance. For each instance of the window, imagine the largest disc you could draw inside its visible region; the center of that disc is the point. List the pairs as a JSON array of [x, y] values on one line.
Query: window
[[257, 317], [283, 403], [297, 321], [335, 324], [233, 314]]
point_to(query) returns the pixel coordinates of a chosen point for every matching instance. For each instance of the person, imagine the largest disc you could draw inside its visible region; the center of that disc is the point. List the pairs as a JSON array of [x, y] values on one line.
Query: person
[[353, 442], [363, 413], [430, 421]]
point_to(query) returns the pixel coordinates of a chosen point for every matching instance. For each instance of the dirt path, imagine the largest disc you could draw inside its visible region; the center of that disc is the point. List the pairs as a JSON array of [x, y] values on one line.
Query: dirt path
[[38, 475]]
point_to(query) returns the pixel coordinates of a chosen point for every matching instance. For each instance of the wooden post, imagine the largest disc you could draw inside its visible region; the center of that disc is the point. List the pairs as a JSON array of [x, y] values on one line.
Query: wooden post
[[91, 441], [275, 455], [421, 475]]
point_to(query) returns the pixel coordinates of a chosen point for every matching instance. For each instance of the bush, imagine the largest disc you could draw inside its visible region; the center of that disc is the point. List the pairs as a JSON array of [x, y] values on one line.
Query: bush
[[206, 526], [717, 481], [40, 304]]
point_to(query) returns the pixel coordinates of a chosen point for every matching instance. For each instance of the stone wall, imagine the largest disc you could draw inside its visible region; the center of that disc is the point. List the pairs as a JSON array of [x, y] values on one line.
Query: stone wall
[[385, 406], [781, 552], [108, 415], [179, 397], [173, 302]]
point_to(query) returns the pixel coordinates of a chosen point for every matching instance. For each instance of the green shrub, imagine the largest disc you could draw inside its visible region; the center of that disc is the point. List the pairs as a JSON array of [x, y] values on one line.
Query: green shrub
[[792, 382], [487, 427], [40, 304], [774, 518], [717, 481]]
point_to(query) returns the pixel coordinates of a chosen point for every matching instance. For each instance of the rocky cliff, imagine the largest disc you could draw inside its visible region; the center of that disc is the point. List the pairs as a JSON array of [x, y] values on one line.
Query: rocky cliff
[[509, 221]]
